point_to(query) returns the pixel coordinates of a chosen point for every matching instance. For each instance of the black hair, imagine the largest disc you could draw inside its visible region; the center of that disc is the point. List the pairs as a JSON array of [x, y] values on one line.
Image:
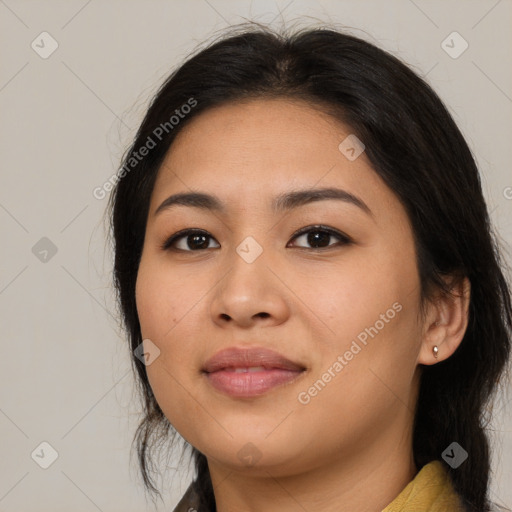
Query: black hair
[[415, 146]]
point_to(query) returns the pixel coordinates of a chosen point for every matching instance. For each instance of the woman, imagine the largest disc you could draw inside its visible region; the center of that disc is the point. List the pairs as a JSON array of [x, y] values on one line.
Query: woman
[[311, 287]]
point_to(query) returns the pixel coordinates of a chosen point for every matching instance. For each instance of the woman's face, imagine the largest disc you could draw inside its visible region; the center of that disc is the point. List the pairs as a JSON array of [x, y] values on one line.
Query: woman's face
[[345, 313]]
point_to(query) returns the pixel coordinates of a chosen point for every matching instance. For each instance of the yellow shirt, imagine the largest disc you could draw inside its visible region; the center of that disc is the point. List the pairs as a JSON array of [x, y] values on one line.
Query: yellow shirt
[[430, 491]]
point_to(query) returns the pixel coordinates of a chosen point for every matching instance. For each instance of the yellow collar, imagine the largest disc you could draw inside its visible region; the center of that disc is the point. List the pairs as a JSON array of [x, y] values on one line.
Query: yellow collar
[[431, 490]]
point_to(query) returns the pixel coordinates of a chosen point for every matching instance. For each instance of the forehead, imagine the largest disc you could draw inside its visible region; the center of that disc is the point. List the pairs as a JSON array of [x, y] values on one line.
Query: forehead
[[270, 134], [245, 152]]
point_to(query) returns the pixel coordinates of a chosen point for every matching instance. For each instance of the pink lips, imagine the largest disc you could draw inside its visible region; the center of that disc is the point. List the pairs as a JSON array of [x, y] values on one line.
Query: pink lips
[[249, 372]]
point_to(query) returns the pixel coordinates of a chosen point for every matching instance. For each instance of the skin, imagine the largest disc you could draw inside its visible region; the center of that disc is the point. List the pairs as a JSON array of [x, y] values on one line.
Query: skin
[[309, 304]]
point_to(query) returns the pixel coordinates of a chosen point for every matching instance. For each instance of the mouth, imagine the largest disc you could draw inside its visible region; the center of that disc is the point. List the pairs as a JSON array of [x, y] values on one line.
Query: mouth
[[246, 373]]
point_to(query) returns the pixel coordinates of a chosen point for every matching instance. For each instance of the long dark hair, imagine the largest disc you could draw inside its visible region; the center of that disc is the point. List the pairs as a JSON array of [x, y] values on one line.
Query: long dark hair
[[416, 148]]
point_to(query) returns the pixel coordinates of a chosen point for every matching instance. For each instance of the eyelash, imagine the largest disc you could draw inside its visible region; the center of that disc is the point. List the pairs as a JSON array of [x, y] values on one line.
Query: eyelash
[[345, 240]]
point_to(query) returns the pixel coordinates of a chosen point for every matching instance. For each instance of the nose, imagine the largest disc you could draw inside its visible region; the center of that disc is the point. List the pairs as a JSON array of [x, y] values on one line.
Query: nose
[[249, 294]]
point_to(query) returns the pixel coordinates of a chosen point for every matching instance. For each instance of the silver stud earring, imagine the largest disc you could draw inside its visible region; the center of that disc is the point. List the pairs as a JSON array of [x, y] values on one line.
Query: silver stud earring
[[435, 350]]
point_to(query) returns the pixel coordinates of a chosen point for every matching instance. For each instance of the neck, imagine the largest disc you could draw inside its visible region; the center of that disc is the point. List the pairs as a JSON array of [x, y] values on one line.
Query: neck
[[367, 480]]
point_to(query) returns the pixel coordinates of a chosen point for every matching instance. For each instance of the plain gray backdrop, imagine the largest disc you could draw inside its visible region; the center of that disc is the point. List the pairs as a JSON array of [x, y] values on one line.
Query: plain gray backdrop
[[75, 79]]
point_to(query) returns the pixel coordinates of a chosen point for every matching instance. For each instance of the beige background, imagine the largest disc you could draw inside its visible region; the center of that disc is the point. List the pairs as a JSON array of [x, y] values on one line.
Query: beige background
[[65, 120]]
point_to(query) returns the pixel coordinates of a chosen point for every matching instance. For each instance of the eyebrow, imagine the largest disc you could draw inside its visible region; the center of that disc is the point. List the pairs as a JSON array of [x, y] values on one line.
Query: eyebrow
[[283, 202]]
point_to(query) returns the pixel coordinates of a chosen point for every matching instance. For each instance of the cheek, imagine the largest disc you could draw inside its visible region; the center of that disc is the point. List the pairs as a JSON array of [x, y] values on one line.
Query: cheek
[[365, 375], [167, 316], [163, 297], [166, 311], [351, 295], [150, 298], [370, 301]]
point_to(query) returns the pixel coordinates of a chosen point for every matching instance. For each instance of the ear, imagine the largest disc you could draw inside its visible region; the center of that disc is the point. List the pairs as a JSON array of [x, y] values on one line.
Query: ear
[[446, 323]]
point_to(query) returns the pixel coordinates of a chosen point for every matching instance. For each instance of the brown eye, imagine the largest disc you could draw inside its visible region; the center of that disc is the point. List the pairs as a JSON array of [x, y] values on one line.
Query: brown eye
[[189, 240], [319, 237]]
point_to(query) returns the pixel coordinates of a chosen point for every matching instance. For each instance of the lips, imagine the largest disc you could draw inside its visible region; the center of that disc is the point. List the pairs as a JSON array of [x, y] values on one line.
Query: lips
[[237, 358], [249, 373]]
